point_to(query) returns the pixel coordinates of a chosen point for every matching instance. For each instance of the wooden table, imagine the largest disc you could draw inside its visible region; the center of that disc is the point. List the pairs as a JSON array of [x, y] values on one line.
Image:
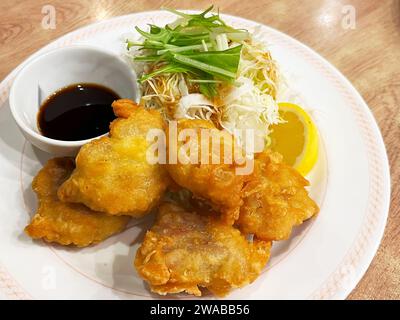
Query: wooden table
[[368, 55]]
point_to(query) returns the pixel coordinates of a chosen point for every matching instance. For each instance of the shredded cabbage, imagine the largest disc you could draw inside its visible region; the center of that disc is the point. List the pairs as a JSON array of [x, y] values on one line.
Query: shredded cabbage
[[247, 107], [164, 92], [257, 64], [194, 106], [249, 103]]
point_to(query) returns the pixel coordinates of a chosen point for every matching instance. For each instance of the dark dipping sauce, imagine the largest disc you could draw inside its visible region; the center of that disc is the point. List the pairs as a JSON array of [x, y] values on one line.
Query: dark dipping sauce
[[77, 112]]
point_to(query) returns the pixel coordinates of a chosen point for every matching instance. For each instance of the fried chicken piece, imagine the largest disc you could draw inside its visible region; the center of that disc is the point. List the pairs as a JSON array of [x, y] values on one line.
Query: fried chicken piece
[[112, 173], [275, 199], [67, 223], [185, 250], [211, 178]]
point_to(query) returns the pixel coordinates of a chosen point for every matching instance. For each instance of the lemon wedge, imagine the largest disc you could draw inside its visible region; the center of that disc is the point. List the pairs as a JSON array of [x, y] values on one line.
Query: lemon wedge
[[296, 139]]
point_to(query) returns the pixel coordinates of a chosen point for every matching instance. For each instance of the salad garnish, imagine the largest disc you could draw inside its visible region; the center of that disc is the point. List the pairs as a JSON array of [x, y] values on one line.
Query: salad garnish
[[199, 67]]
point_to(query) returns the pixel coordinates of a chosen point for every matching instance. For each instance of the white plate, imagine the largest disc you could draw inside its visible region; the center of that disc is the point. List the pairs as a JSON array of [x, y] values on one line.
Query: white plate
[[324, 259]]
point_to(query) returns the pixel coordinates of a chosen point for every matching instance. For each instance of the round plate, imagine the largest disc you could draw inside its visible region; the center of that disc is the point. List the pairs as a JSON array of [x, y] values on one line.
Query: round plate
[[325, 257]]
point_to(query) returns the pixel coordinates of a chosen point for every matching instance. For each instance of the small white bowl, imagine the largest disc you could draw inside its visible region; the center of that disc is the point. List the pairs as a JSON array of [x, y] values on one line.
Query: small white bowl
[[57, 69]]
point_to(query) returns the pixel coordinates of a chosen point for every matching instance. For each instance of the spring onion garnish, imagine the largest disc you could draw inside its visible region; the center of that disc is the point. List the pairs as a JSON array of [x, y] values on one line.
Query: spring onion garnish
[[201, 46]]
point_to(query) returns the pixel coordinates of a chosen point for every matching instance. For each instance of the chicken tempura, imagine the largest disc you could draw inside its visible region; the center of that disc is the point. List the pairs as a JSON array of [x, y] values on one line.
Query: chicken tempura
[[67, 223], [275, 199], [211, 178], [184, 251], [112, 173]]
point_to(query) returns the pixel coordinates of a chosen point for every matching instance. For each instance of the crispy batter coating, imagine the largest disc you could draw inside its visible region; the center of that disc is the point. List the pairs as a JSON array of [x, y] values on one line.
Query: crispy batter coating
[[211, 178], [67, 223], [112, 173], [185, 250], [275, 199]]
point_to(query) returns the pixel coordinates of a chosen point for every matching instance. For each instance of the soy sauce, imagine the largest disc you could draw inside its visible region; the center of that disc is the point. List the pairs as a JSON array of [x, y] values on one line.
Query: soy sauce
[[77, 112]]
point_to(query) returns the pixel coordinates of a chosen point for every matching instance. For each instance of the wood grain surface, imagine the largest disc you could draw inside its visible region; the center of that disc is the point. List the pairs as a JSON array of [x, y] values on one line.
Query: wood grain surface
[[369, 55]]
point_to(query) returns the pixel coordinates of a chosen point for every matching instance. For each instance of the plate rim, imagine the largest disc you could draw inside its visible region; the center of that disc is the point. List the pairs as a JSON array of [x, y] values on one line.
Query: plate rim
[[336, 285]]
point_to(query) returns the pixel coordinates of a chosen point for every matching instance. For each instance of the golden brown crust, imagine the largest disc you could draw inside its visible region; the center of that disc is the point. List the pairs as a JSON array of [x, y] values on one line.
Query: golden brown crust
[[67, 223], [218, 183], [112, 174], [275, 199], [185, 251], [123, 108]]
